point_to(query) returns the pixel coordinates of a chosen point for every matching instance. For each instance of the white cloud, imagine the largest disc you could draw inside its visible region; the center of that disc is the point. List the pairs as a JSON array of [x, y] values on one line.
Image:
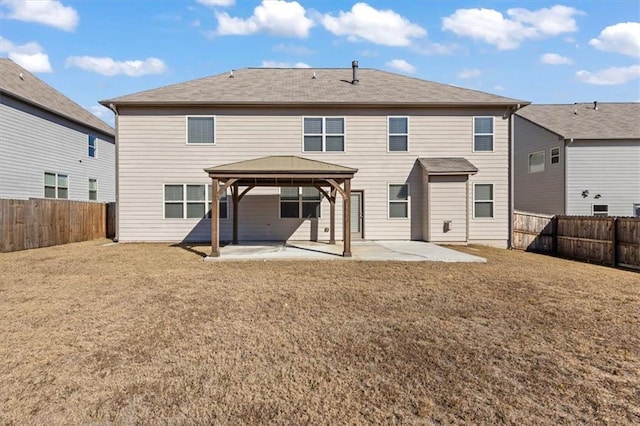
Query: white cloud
[[436, 48], [621, 38], [610, 76], [506, 33], [469, 73], [279, 18], [47, 12], [276, 64], [401, 65], [364, 22], [555, 59], [109, 67], [30, 56], [222, 3]]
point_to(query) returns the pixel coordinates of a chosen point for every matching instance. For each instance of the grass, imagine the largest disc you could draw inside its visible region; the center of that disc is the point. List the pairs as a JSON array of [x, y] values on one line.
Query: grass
[[152, 334]]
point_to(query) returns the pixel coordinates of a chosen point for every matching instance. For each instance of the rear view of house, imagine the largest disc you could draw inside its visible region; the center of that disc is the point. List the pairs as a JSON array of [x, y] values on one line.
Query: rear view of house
[[578, 159], [383, 155], [51, 147]]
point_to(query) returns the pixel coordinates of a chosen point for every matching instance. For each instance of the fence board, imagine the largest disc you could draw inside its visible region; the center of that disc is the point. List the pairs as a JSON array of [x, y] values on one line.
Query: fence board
[[532, 232], [26, 224]]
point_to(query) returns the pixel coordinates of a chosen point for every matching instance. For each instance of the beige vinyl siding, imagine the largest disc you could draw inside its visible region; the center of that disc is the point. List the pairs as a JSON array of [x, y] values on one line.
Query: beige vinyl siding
[[153, 152], [608, 168], [449, 202], [541, 192], [33, 142]]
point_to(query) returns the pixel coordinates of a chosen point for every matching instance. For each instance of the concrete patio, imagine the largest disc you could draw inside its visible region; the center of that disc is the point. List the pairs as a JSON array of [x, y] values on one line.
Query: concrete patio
[[406, 251]]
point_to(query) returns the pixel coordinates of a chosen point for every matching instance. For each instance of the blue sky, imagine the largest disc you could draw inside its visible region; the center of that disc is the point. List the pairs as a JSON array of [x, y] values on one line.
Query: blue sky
[[544, 52]]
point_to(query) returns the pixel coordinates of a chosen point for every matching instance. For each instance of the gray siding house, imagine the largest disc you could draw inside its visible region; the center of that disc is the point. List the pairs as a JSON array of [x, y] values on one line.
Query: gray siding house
[[426, 161], [578, 159], [51, 147]]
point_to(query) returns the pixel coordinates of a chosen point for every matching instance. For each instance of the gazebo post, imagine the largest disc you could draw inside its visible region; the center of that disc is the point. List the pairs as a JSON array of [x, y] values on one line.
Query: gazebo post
[[215, 206], [346, 219], [332, 216], [236, 200]]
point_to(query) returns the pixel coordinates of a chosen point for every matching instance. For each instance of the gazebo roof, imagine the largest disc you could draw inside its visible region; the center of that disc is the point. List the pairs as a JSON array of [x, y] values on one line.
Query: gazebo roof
[[280, 165]]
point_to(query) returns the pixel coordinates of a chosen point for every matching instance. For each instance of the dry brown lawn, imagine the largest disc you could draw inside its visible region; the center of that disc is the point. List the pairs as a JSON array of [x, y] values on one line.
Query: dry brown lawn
[[93, 334]]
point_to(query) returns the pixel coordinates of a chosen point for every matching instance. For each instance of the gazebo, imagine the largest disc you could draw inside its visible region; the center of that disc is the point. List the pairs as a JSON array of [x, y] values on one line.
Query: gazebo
[[281, 171]]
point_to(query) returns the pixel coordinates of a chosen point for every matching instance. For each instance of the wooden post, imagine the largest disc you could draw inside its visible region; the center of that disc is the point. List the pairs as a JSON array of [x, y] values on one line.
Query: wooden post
[[215, 206], [236, 200], [614, 241], [346, 219], [332, 216]]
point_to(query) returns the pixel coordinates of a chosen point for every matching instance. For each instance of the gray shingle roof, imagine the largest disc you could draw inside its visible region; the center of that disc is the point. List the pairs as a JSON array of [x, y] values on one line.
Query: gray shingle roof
[[34, 91], [448, 166], [331, 86], [582, 121], [281, 164]]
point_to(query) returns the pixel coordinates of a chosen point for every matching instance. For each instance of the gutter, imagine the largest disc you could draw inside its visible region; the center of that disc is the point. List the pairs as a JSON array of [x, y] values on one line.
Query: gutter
[[113, 108]]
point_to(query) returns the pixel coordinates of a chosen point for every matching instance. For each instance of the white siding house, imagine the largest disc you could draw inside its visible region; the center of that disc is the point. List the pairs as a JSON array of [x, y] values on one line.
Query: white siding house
[[51, 147], [383, 126], [578, 159]]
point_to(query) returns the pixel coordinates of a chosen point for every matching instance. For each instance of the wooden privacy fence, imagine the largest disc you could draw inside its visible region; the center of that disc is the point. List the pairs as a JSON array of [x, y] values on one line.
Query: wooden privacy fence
[[33, 223], [611, 241]]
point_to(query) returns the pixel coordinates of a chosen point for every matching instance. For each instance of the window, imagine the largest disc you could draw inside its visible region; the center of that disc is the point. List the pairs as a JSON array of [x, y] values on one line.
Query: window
[[91, 140], [300, 203], [56, 185], [323, 134], [200, 130], [191, 202], [636, 210], [600, 209], [398, 134], [536, 162], [482, 200], [93, 189], [483, 133], [555, 155], [398, 201]]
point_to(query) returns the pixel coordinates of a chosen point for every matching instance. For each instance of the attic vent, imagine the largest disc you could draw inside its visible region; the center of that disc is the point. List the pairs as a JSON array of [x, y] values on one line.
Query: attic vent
[[231, 74], [21, 76], [354, 67], [314, 76], [595, 105]]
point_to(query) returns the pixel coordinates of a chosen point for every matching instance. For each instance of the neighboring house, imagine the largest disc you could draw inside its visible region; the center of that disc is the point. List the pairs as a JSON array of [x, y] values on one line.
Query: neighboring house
[[578, 159], [419, 160], [51, 147]]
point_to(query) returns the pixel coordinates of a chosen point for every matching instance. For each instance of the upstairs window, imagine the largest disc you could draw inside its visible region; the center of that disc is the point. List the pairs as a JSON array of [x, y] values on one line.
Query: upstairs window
[[191, 202], [200, 130], [56, 185], [300, 203], [536, 162], [482, 200], [92, 146], [398, 200], [93, 189], [555, 155], [600, 210], [398, 134], [323, 134], [483, 134]]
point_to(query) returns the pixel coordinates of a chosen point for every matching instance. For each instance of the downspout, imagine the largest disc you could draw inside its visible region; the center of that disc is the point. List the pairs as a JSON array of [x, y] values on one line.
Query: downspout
[[565, 149], [113, 108], [511, 172]]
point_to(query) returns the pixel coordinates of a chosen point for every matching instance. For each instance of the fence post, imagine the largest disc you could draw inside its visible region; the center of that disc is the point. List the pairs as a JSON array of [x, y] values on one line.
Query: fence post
[[614, 241], [554, 235]]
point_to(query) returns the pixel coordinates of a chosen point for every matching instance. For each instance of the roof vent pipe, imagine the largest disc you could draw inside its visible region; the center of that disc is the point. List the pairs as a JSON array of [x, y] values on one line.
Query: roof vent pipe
[[354, 66], [595, 105]]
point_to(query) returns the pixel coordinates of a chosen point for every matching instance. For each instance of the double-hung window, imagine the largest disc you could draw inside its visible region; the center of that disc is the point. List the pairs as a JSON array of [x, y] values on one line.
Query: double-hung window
[[92, 146], [191, 202], [555, 155], [93, 189], [482, 200], [399, 200], [398, 134], [323, 134], [482, 134], [56, 185], [200, 130], [300, 203], [536, 162]]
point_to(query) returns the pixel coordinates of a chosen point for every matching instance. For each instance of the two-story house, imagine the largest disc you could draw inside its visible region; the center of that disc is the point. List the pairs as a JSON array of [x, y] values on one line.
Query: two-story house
[[51, 147], [578, 159], [409, 158]]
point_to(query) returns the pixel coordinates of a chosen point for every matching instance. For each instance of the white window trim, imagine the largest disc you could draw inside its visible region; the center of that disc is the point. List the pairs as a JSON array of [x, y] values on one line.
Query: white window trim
[[324, 134], [599, 214], [95, 146], [551, 155], [300, 202], [57, 187], [635, 207], [89, 194], [408, 201], [184, 202], [389, 117], [186, 130], [492, 201], [493, 134], [544, 161]]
